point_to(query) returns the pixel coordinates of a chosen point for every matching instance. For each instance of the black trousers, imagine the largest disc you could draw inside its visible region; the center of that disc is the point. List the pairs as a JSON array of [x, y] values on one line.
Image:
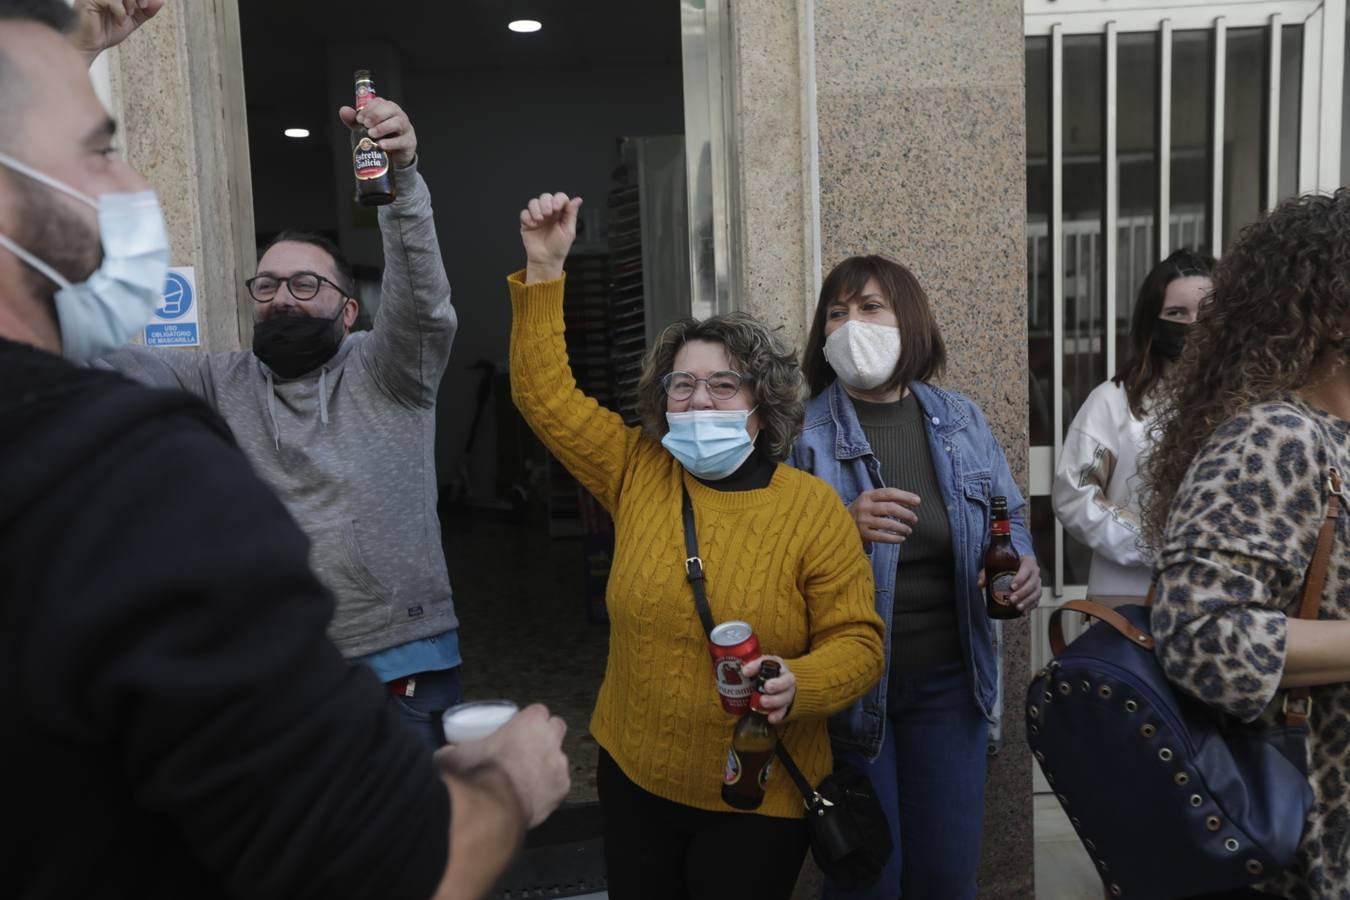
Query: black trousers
[[656, 849]]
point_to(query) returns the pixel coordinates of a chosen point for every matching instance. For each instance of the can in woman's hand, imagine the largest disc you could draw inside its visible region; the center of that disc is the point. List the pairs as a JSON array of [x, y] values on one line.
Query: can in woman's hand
[[732, 645]]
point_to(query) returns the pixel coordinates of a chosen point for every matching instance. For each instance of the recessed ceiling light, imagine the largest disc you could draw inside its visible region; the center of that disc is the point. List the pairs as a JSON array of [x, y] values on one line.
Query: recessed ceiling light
[[297, 132], [525, 26]]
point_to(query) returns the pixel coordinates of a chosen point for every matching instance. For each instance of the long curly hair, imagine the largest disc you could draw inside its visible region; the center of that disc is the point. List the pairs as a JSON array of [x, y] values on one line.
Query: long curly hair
[[753, 349], [1281, 298]]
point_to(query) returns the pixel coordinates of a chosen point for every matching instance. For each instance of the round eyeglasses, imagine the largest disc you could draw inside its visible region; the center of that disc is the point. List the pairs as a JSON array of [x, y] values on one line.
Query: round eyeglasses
[[721, 385], [302, 285]]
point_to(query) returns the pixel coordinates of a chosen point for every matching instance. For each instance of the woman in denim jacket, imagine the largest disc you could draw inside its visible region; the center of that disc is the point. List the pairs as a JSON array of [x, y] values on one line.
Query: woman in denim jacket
[[916, 465]]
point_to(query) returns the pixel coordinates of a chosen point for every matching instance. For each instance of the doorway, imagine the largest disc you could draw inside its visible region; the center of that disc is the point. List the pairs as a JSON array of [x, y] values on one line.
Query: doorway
[[592, 102]]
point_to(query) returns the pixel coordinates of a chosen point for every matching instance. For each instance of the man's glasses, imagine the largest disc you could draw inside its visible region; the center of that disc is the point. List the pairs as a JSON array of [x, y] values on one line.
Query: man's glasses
[[722, 385], [302, 285]]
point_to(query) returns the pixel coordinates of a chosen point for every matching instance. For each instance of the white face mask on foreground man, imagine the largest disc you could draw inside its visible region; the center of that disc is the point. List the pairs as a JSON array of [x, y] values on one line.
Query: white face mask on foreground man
[[104, 310]]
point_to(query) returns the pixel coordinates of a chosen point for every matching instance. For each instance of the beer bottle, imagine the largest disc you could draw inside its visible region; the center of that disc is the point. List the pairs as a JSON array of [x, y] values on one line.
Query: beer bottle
[[1000, 563], [374, 178], [751, 752]]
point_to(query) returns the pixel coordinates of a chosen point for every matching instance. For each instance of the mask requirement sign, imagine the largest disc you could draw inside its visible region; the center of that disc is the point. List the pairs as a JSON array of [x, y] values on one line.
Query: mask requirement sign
[[175, 320]]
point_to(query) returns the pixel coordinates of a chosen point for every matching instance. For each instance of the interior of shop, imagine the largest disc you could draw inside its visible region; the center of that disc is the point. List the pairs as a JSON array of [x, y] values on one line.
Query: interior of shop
[[590, 103]]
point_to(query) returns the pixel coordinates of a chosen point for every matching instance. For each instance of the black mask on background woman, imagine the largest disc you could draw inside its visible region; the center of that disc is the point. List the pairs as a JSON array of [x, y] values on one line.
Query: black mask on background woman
[[1170, 337]]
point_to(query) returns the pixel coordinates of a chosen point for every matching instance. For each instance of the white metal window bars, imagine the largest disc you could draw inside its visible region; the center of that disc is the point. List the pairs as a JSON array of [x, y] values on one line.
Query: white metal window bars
[[1323, 23]]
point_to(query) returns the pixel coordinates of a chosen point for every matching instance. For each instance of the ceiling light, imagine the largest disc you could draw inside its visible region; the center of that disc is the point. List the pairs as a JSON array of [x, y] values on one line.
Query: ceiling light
[[297, 132], [525, 26]]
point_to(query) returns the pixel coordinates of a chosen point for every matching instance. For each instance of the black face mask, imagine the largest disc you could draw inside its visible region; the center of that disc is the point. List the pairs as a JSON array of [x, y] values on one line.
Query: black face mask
[[1169, 337], [294, 345]]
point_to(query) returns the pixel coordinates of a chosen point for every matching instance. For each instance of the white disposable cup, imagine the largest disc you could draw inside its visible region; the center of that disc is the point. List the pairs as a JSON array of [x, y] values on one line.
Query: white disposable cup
[[476, 720]]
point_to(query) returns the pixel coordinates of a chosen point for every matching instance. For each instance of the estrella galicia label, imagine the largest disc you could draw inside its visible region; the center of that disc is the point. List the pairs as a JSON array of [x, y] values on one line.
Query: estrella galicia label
[[369, 160]]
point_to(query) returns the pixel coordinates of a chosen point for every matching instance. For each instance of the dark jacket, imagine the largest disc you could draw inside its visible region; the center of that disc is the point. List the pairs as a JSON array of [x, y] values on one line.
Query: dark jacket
[[176, 724]]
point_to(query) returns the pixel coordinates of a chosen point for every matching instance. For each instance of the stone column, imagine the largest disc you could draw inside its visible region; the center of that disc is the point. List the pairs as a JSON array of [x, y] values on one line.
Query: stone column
[[897, 127], [176, 88], [771, 72]]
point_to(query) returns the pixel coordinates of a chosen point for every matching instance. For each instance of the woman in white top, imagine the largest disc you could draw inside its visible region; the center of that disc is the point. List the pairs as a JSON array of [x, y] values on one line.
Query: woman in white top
[[1096, 492]]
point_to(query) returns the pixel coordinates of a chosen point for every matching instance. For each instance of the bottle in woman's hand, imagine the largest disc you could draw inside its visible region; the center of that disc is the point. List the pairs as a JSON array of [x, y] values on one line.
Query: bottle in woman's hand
[[1001, 563], [751, 753]]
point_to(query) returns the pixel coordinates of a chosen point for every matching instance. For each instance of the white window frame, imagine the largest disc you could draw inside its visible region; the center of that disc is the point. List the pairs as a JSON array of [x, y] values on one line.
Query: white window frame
[[1319, 150]]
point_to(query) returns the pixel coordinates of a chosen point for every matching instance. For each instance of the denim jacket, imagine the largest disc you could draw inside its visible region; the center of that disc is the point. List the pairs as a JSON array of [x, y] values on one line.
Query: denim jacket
[[971, 468]]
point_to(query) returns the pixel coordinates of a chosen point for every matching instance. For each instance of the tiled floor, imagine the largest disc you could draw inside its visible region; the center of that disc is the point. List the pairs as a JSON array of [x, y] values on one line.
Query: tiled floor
[[1063, 869], [523, 628], [525, 636]]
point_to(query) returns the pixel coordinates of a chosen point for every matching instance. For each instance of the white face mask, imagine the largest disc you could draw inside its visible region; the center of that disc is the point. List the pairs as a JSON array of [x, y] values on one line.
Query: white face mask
[[862, 354], [105, 310]]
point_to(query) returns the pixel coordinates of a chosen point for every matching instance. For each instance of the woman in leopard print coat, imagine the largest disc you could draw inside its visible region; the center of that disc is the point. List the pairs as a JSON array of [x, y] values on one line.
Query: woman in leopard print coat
[[1257, 414]]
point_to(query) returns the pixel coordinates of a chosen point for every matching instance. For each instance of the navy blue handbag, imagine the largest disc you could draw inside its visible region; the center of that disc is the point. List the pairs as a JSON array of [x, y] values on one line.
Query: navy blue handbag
[[1170, 797]]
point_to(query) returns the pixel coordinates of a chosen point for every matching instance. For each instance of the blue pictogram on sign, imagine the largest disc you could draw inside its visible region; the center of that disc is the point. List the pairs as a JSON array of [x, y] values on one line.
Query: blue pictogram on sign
[[177, 298]]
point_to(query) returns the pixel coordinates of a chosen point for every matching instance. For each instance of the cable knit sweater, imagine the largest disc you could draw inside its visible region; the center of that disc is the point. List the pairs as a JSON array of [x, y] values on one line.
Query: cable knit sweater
[[786, 558]]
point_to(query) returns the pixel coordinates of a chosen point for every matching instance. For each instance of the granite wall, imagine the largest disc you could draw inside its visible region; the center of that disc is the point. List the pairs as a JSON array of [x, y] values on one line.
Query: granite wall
[[177, 91], [909, 116]]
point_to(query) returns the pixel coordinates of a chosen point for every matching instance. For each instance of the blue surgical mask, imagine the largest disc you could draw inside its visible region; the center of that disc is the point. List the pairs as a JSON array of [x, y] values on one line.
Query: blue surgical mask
[[709, 443], [105, 310]]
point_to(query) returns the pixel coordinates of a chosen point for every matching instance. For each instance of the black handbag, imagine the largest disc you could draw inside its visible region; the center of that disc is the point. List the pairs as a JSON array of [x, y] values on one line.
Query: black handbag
[[1170, 797], [850, 837]]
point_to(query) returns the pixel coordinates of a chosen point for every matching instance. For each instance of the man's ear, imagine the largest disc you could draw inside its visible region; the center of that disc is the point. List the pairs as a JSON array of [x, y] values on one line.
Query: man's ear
[[351, 309]]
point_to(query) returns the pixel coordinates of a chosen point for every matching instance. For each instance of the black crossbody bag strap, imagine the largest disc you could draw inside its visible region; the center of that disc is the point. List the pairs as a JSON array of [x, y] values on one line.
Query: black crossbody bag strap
[[693, 571], [693, 566]]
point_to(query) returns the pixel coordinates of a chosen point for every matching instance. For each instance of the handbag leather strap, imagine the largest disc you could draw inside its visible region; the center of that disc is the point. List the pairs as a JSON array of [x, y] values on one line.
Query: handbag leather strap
[[693, 571], [810, 796], [1097, 611], [1297, 701]]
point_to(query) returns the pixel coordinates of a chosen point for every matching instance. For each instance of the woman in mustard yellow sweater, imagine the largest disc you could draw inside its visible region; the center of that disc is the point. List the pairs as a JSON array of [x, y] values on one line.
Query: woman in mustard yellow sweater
[[721, 403]]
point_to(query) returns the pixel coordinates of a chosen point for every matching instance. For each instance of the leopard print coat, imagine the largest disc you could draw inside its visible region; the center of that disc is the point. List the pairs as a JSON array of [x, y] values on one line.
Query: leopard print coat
[[1242, 530]]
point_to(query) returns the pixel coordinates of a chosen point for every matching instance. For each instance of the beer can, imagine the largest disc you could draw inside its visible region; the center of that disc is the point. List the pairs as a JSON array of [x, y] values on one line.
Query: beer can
[[732, 644]]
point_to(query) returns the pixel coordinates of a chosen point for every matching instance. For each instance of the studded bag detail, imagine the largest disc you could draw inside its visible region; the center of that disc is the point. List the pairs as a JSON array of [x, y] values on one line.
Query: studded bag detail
[[1170, 797]]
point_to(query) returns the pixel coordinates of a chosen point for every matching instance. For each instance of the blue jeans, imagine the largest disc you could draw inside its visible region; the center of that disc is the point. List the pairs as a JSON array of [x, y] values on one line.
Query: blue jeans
[[435, 693], [930, 780]]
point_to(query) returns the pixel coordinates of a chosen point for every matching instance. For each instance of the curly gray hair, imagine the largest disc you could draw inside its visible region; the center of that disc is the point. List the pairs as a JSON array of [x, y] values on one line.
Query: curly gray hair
[[778, 386]]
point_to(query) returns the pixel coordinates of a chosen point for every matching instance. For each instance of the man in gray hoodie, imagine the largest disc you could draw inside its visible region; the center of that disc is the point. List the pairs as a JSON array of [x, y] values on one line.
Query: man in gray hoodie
[[342, 426]]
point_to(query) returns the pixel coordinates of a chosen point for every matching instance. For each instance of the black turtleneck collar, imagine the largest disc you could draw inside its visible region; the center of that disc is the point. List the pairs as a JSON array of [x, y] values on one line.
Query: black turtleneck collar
[[755, 473]]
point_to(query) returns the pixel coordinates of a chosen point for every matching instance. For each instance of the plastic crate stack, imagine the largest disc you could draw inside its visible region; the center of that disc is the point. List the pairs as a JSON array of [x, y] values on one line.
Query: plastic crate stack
[[586, 330], [627, 310]]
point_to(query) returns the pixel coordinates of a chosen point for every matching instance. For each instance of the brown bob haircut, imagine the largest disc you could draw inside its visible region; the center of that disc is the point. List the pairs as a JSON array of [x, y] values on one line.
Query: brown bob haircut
[[922, 353]]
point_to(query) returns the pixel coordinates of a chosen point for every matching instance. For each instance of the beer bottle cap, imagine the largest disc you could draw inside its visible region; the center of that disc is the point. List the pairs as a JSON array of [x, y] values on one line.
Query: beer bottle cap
[[768, 671]]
